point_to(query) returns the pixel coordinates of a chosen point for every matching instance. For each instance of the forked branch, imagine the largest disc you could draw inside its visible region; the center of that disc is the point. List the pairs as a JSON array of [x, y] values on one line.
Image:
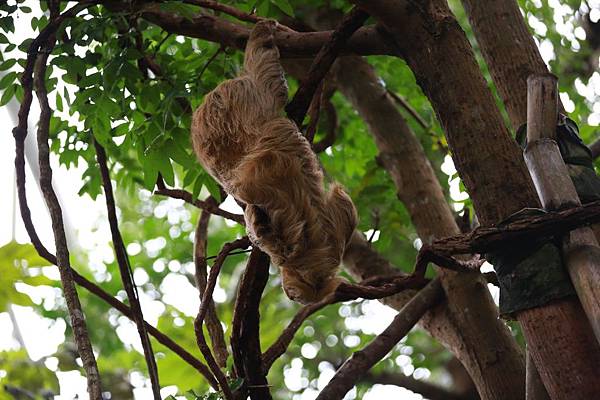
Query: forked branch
[[361, 361]]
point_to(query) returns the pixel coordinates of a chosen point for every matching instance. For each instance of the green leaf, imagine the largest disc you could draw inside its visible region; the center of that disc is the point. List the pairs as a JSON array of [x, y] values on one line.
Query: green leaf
[[198, 186], [7, 80], [236, 384], [190, 176], [284, 6], [150, 161], [59, 102], [7, 95], [213, 188], [19, 93], [177, 7], [7, 64], [15, 258], [24, 46], [20, 371], [24, 252]]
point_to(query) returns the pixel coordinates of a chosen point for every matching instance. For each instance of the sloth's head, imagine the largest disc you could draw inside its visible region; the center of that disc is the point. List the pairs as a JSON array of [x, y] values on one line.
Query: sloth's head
[[305, 290]]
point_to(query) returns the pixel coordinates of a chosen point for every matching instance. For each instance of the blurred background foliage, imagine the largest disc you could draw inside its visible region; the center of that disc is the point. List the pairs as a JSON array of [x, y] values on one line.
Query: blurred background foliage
[[99, 82]]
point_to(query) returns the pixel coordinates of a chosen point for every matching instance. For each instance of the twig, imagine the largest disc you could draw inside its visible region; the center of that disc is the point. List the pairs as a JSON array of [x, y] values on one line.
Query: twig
[[198, 322], [376, 220], [160, 337], [361, 361], [215, 330], [101, 293], [233, 253], [159, 45], [368, 40], [374, 288], [426, 389], [278, 348], [210, 60], [234, 12], [296, 109], [429, 254], [417, 117], [37, 57], [331, 128], [84, 282], [76, 315], [245, 330], [404, 104], [314, 112], [595, 149], [189, 198], [125, 270], [210, 360]]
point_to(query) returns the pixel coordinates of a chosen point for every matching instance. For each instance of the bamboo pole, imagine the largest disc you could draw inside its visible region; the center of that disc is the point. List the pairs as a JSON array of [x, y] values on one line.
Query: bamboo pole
[[556, 190]]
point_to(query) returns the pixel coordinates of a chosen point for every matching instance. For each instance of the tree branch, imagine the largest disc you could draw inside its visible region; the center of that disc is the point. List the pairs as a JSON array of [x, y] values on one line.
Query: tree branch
[[101, 293], [595, 149], [125, 270], [213, 324], [204, 305], [374, 288], [296, 109], [234, 12], [331, 127], [550, 224], [366, 41], [204, 205], [158, 335], [245, 329], [361, 361], [37, 56], [20, 133], [426, 389]]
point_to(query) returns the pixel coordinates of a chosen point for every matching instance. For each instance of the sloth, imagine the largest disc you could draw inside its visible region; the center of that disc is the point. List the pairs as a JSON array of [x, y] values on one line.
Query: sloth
[[259, 157]]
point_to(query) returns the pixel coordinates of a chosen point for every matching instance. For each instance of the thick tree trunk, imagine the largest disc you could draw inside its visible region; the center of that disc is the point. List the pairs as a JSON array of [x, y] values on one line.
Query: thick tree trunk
[[511, 55], [509, 51], [492, 168], [471, 328]]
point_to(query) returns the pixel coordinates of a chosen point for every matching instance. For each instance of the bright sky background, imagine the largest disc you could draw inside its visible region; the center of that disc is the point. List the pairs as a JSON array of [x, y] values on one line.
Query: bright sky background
[[90, 216]]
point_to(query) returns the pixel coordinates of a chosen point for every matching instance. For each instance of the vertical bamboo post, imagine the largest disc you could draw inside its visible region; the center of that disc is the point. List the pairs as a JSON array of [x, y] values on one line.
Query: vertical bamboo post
[[556, 190]]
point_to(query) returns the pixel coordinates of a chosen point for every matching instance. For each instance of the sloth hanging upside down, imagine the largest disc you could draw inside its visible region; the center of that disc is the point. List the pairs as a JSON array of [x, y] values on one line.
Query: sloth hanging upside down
[[261, 159]]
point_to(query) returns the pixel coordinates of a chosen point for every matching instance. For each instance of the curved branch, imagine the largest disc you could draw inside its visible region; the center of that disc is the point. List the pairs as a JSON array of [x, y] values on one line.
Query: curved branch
[[428, 390], [125, 270], [37, 56], [204, 205], [595, 149], [296, 109], [204, 307], [213, 324], [361, 361], [365, 41], [245, 328]]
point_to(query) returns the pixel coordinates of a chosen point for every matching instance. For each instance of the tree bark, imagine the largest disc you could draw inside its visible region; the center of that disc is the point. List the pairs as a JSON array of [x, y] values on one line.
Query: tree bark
[[471, 328], [509, 51], [364, 41], [492, 168]]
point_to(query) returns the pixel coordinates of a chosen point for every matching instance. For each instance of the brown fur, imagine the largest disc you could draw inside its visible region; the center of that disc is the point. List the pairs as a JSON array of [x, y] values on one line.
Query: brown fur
[[260, 157]]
